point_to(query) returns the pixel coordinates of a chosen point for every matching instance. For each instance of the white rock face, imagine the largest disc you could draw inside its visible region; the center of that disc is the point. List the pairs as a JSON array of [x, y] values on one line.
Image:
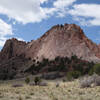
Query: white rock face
[[68, 40]]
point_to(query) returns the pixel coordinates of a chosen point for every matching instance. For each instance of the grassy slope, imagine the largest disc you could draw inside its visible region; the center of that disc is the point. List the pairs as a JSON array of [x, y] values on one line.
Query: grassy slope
[[66, 91]]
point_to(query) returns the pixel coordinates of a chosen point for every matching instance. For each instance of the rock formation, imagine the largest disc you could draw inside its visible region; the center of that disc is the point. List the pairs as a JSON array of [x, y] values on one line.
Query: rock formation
[[60, 40]]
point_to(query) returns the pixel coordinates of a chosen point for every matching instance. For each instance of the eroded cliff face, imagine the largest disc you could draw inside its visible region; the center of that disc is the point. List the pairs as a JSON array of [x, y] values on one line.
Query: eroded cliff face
[[60, 40], [65, 41], [12, 48]]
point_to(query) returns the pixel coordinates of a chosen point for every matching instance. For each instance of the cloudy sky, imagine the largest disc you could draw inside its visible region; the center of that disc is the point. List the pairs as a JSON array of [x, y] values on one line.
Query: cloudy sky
[[29, 19]]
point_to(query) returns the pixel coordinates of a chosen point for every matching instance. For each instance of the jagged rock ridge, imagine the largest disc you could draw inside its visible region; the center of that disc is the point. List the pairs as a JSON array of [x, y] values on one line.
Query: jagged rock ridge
[[64, 41], [60, 40], [12, 48]]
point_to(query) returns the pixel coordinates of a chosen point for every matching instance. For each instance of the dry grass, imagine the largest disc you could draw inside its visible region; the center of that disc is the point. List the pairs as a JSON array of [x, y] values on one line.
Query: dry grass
[[66, 91]]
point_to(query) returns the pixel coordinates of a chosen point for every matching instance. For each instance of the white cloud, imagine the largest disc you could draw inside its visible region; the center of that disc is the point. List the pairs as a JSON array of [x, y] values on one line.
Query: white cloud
[[24, 11], [20, 39], [82, 21], [2, 41], [5, 30], [91, 11], [62, 6], [30, 11], [42, 1], [63, 3]]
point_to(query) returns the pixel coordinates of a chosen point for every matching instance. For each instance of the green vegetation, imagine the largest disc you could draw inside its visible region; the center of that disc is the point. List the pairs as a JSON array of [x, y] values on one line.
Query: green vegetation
[[73, 74], [37, 80], [27, 80], [95, 69], [74, 66]]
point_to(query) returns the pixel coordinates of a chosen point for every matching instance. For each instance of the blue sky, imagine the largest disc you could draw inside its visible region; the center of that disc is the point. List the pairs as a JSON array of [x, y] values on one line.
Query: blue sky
[[29, 19]]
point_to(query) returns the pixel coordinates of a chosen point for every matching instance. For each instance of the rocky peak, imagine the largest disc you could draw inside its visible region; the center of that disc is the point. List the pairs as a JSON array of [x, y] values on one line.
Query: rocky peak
[[12, 48], [68, 27], [70, 30], [65, 40], [60, 40]]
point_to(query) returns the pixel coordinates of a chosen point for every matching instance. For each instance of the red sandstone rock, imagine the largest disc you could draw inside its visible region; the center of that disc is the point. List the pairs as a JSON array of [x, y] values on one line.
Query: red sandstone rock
[[60, 40]]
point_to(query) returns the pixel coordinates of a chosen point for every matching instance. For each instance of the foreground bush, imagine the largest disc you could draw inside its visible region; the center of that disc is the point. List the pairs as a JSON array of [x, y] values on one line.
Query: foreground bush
[[96, 69], [69, 76], [73, 75], [37, 80], [27, 80]]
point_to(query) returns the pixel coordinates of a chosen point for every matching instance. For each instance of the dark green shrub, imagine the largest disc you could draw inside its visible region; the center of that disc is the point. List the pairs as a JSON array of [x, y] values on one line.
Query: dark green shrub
[[79, 67], [37, 80], [73, 75], [91, 72], [96, 69], [74, 57], [64, 80], [27, 80], [76, 74], [69, 76], [62, 64]]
